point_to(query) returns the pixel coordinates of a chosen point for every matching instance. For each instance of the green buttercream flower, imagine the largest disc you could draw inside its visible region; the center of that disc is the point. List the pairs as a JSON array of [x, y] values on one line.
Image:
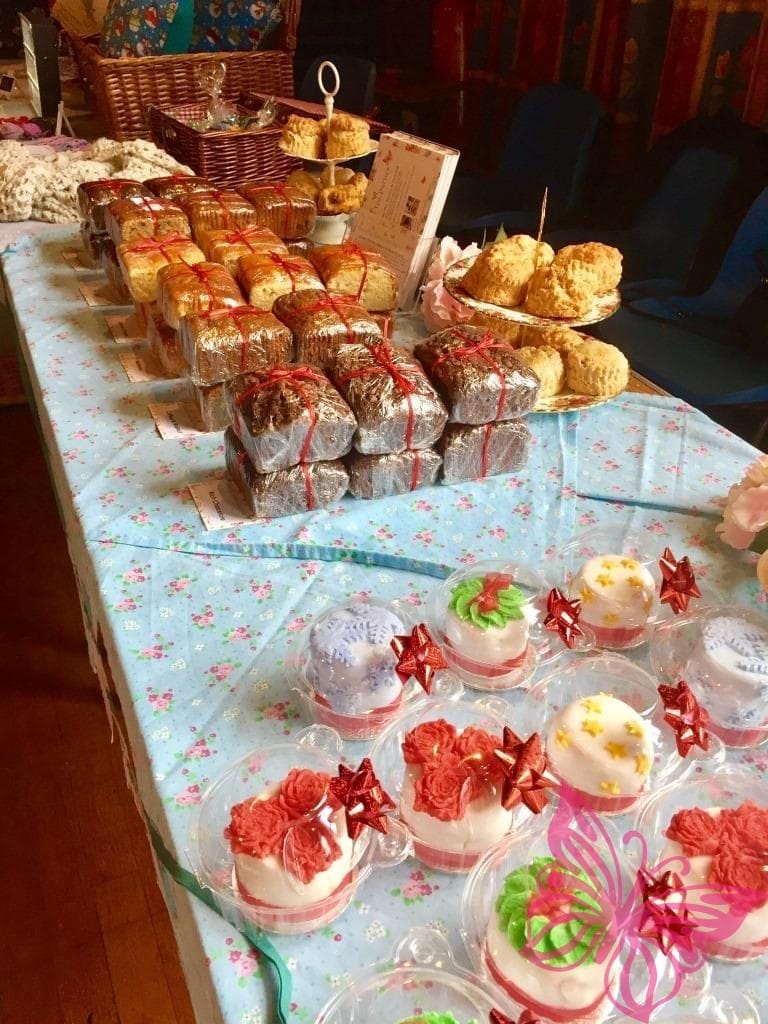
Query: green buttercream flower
[[487, 601], [573, 940], [432, 1017]]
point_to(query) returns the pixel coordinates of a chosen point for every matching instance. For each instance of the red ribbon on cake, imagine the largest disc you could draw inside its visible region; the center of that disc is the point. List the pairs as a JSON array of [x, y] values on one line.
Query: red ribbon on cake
[[678, 582], [352, 249], [418, 655], [241, 236], [480, 348], [159, 244], [687, 718], [523, 763], [331, 302], [662, 921], [282, 191], [237, 314], [382, 353], [149, 206], [563, 616], [526, 1017], [363, 798], [291, 267]]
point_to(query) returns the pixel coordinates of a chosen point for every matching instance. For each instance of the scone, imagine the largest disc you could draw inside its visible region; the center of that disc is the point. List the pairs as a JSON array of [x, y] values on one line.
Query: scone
[[347, 136], [602, 260], [501, 273], [596, 368], [554, 336], [346, 198], [305, 182], [303, 136], [335, 176], [561, 291], [547, 364], [505, 330]]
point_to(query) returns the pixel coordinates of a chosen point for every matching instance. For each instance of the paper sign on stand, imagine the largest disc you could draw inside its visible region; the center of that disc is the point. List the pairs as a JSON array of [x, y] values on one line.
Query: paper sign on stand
[[101, 293], [218, 503], [140, 367], [175, 419], [124, 328]]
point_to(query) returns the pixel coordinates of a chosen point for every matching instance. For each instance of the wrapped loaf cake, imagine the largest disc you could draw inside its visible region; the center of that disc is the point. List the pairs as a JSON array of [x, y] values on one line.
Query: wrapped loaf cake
[[479, 377], [94, 243], [211, 211], [211, 403], [281, 208], [351, 270], [267, 276], [140, 262], [225, 342], [473, 453], [166, 346], [395, 405], [93, 197], [289, 414], [183, 290], [227, 245], [321, 322], [380, 476], [300, 247], [111, 268], [284, 492], [127, 220], [178, 186]]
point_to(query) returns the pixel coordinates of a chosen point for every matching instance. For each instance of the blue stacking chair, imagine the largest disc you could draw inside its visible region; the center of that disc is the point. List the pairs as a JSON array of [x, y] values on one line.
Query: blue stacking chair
[[690, 344], [358, 83], [548, 143]]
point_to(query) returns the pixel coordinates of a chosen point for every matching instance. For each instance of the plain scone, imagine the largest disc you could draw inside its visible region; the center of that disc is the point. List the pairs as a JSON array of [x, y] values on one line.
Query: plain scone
[[501, 272], [596, 368], [547, 364]]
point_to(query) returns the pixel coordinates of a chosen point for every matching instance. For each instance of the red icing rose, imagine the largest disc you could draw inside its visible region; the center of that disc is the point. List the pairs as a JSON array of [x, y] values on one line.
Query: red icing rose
[[310, 847], [444, 789], [696, 831], [429, 741], [302, 791], [475, 748], [257, 827], [748, 825], [742, 874]]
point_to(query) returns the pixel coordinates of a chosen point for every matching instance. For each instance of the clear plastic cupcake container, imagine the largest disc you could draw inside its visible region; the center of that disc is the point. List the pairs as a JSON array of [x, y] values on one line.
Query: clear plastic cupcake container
[[722, 654], [271, 841], [421, 977], [345, 673], [616, 577], [718, 1004], [735, 926], [449, 790], [610, 753]]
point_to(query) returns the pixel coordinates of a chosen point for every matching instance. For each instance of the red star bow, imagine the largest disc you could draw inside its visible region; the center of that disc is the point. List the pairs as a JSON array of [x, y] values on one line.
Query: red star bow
[[419, 656], [523, 764], [363, 798], [526, 1017], [686, 716], [563, 616], [664, 921], [678, 582]]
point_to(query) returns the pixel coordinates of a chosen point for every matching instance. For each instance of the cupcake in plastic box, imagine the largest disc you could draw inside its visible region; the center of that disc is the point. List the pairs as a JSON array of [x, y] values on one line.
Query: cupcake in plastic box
[[440, 766], [278, 838], [712, 831], [722, 654], [605, 735], [717, 1004], [421, 984]]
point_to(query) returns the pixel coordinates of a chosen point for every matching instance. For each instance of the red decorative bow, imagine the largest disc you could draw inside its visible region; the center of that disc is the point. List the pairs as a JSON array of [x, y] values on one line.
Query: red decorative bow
[[418, 656], [678, 582], [364, 800], [664, 923], [523, 764], [686, 716], [563, 616], [526, 1017]]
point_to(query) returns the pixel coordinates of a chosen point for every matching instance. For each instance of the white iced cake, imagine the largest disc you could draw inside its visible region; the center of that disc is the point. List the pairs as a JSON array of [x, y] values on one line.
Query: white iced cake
[[728, 671], [616, 592], [487, 619]]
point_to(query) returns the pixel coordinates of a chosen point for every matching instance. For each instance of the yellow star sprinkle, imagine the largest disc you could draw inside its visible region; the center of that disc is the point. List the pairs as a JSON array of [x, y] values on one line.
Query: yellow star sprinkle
[[642, 764], [586, 595], [609, 563], [648, 604], [610, 618], [629, 563], [592, 726], [634, 729], [604, 579], [611, 787], [616, 750], [563, 739], [592, 704], [635, 581]]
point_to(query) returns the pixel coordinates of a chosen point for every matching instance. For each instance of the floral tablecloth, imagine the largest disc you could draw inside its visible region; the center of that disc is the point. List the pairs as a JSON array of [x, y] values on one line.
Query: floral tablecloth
[[197, 624]]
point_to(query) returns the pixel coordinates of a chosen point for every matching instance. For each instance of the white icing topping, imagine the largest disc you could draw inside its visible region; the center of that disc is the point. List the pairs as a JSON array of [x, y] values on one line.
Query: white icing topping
[[616, 592], [728, 671]]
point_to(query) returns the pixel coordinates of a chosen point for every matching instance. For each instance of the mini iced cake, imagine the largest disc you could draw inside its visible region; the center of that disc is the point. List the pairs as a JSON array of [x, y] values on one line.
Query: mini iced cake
[[603, 749], [292, 851], [728, 674], [617, 596], [558, 976], [451, 794], [352, 663], [726, 851], [486, 626]]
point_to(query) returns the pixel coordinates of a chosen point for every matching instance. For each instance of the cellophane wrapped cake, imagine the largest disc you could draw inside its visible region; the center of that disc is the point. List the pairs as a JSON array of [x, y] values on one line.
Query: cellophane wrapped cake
[[93, 198], [281, 208], [211, 211], [300, 247], [227, 245], [362, 273], [396, 406], [266, 276], [127, 220], [480, 378], [179, 186], [473, 453], [284, 492], [211, 403], [225, 342], [289, 414], [141, 261], [380, 476], [321, 322], [94, 244], [166, 346], [183, 290], [111, 268]]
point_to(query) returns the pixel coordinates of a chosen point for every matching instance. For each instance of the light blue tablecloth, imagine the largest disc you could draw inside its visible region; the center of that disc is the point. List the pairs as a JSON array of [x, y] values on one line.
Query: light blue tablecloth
[[197, 625]]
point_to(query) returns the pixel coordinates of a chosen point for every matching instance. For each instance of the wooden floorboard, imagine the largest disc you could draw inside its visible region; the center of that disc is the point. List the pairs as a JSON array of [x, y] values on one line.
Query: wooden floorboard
[[84, 932]]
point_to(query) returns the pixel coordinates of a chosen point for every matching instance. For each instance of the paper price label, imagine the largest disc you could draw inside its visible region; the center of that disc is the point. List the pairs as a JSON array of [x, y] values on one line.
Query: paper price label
[[101, 293], [140, 368], [175, 419], [218, 503], [124, 328]]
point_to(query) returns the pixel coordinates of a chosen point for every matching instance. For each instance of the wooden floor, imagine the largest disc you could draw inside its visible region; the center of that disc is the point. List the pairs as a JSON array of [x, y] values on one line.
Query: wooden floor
[[84, 934]]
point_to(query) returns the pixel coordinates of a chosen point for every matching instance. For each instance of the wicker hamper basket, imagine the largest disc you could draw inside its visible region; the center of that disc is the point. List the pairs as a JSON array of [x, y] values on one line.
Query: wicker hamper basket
[[124, 88]]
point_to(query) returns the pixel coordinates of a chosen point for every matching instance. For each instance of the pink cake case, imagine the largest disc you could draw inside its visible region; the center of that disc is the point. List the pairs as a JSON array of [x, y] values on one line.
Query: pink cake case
[[421, 977], [720, 867], [605, 735], [438, 764], [722, 654], [489, 622], [277, 837], [351, 677]]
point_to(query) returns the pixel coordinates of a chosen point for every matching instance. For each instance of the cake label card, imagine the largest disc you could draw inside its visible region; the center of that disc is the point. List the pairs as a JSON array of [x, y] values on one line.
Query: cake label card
[[75, 260], [124, 328], [101, 293], [175, 419], [140, 368], [218, 503]]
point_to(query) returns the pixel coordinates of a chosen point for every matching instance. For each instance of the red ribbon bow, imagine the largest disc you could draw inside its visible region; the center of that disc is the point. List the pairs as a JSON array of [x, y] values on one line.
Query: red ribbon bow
[[157, 244], [523, 763], [664, 923], [237, 315], [526, 1017], [563, 617], [418, 656], [352, 249], [686, 717], [384, 362], [363, 799], [678, 582]]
